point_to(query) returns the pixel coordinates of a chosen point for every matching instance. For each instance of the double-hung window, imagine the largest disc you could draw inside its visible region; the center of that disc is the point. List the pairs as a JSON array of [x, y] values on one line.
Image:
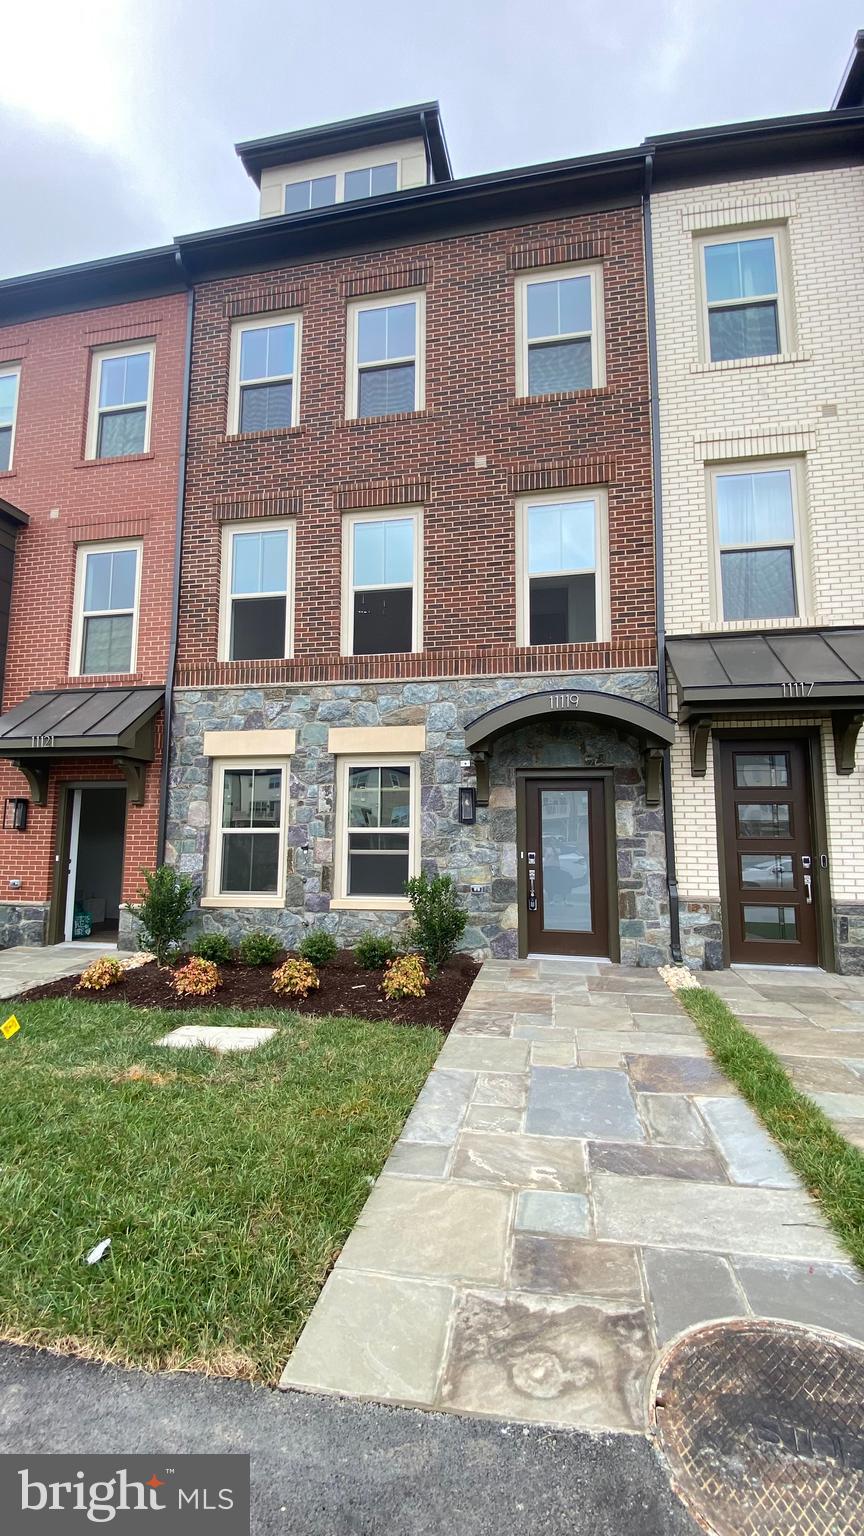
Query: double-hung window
[[744, 308], [316, 192], [758, 540], [9, 381], [248, 835], [371, 181], [386, 356], [377, 828], [382, 602], [562, 564], [108, 582], [560, 331], [120, 401], [257, 586], [265, 374]]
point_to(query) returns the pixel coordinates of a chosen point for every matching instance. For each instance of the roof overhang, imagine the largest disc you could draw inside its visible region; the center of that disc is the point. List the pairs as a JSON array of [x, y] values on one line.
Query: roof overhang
[[778, 673], [850, 92], [51, 725], [655, 731], [13, 517], [417, 122]]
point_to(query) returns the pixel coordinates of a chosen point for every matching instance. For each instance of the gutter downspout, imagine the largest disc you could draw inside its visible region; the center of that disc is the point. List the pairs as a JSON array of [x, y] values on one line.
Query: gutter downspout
[[178, 553], [657, 488]]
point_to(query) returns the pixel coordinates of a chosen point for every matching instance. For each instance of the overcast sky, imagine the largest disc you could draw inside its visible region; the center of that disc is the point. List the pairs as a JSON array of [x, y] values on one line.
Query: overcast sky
[[118, 117]]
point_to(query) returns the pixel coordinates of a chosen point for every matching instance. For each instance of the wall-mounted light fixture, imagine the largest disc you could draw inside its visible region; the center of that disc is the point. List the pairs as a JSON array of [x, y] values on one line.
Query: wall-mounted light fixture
[[15, 815], [467, 805]]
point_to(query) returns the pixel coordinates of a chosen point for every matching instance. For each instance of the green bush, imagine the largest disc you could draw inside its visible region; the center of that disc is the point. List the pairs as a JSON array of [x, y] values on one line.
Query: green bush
[[319, 947], [259, 949], [163, 910], [439, 921], [215, 947], [374, 951]]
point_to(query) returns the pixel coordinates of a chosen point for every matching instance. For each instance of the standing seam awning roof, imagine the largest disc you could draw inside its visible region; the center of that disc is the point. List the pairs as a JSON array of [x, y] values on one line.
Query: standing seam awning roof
[[93, 720], [773, 670]]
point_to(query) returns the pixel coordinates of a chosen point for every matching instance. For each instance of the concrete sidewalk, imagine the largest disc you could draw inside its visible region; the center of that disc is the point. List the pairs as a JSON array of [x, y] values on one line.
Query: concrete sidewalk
[[577, 1184], [31, 965]]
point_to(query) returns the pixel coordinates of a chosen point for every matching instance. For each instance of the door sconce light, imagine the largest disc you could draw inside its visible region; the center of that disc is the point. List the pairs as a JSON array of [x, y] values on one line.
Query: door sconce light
[[15, 815], [467, 805]]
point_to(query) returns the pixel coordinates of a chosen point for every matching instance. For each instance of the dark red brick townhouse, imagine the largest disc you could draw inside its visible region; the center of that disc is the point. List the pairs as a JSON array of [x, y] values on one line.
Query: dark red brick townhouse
[[417, 618], [92, 367]]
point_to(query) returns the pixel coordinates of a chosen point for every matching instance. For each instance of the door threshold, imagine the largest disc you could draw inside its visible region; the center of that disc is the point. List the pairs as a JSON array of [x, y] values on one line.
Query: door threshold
[[83, 944], [810, 970], [573, 959]]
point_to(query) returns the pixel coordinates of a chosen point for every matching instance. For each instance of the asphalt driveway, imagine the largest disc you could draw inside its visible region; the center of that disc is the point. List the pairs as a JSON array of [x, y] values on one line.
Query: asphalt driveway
[[330, 1467]]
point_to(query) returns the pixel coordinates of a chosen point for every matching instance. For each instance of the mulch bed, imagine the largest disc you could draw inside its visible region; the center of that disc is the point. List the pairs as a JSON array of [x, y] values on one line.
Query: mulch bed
[[345, 989]]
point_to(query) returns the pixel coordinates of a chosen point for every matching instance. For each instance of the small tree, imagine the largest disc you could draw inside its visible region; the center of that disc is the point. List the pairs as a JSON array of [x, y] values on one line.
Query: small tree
[[163, 910], [439, 921]]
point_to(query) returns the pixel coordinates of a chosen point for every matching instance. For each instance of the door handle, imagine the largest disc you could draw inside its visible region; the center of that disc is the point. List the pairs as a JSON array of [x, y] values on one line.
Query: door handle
[[808, 889], [532, 879]]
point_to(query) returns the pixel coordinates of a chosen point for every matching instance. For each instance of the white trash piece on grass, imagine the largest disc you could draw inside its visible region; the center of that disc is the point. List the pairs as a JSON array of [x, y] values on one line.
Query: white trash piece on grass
[[98, 1252]]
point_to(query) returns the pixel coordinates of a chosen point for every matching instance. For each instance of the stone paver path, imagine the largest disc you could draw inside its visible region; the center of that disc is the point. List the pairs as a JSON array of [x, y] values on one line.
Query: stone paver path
[[31, 965], [576, 1184]]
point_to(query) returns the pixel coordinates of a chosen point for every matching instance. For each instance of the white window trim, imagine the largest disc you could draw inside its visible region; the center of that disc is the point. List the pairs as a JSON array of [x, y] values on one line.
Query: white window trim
[[213, 897], [599, 496], [799, 544], [255, 525], [259, 323], [416, 296], [76, 657], [341, 901], [381, 515], [785, 331], [98, 356], [594, 270], [357, 160], [12, 371]]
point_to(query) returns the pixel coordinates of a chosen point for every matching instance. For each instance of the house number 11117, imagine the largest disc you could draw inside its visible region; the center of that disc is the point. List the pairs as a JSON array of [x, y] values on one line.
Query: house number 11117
[[797, 690]]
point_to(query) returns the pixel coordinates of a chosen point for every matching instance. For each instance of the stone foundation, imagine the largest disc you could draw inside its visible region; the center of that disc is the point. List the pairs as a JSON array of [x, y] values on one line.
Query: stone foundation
[[483, 854], [702, 934], [22, 924], [848, 919]]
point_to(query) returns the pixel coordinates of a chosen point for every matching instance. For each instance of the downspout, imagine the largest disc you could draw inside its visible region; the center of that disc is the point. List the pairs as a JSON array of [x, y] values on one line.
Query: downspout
[[178, 553], [657, 488]]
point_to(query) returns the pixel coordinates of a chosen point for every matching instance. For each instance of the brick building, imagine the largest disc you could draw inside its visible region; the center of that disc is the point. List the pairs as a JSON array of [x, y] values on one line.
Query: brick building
[[92, 366], [417, 618], [758, 236]]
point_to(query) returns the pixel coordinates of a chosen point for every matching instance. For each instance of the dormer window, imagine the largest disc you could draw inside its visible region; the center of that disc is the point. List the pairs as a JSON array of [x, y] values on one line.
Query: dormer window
[[318, 192], [371, 182]]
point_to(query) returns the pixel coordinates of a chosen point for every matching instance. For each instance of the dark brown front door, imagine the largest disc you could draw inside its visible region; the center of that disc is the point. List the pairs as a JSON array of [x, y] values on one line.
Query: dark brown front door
[[770, 868], [565, 854]]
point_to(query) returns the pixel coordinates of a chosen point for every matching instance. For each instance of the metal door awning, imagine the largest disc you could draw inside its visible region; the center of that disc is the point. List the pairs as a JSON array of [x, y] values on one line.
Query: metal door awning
[[779, 672], [51, 725]]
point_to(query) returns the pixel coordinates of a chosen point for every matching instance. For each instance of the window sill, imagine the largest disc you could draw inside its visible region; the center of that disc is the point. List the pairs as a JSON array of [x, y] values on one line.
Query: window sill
[[104, 679], [559, 397], [757, 626], [227, 438], [8, 474], [229, 902], [362, 422], [370, 904], [731, 364], [120, 458]]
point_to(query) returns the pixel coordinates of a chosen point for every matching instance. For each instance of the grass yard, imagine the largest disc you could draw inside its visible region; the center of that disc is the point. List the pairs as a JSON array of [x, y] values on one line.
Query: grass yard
[[227, 1184], [832, 1170]]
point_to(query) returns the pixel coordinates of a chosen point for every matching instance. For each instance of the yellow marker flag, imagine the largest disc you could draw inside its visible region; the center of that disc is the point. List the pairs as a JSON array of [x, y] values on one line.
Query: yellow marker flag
[[10, 1028]]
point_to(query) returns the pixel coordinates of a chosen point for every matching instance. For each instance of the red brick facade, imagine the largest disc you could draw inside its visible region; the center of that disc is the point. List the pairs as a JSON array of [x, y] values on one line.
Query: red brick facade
[[70, 501], [434, 458]]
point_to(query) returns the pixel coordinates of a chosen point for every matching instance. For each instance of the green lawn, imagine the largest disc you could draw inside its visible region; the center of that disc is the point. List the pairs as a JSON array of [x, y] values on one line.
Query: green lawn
[[226, 1184], [832, 1170]]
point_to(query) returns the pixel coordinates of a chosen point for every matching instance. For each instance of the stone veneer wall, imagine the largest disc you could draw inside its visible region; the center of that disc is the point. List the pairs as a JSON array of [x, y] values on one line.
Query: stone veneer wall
[[483, 854], [22, 923]]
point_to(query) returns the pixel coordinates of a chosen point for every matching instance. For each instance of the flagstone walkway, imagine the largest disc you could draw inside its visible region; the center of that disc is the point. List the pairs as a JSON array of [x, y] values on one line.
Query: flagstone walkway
[[577, 1184]]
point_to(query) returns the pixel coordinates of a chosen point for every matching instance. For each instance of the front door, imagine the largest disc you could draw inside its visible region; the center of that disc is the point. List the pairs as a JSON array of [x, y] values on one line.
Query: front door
[[768, 852], [566, 877], [93, 888]]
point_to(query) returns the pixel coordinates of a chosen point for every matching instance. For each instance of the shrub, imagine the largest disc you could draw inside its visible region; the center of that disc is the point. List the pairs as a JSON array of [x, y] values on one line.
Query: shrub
[[374, 950], [439, 921], [215, 947], [197, 978], [100, 974], [259, 948], [163, 910], [405, 977], [319, 946], [295, 978]]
